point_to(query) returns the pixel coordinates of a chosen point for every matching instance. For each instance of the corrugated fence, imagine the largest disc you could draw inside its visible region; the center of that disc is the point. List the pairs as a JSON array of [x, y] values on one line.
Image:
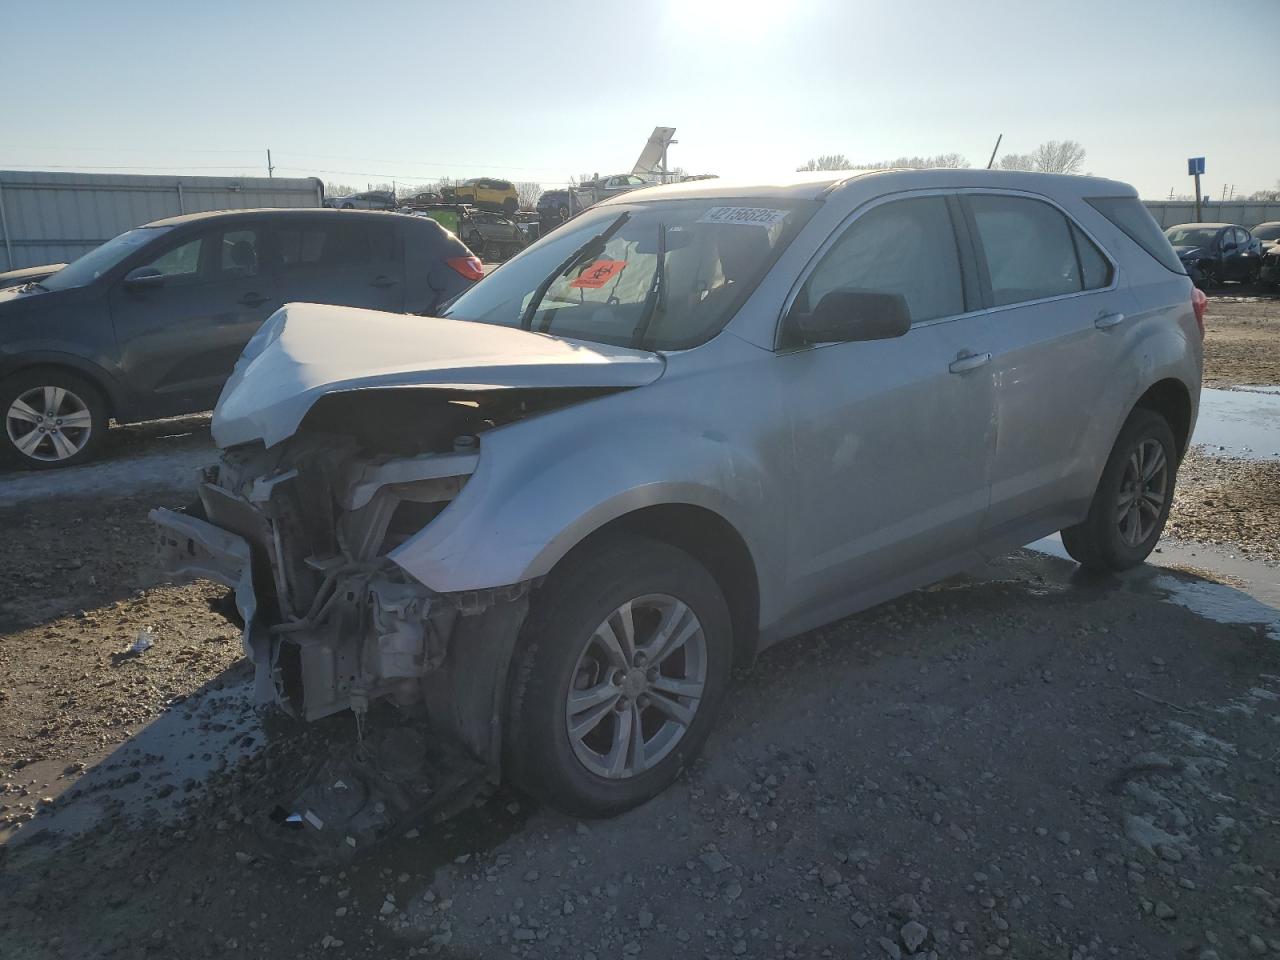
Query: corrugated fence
[[56, 217], [1246, 213]]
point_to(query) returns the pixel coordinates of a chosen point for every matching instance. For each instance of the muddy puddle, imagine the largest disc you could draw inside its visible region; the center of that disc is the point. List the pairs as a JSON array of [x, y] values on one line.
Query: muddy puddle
[[1241, 423]]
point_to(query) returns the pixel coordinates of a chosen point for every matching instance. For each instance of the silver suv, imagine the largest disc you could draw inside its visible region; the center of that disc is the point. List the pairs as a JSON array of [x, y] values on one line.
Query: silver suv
[[697, 420]]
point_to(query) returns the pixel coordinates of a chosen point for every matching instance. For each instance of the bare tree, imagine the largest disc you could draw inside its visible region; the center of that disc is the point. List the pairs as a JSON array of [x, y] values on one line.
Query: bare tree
[[1052, 156], [1267, 195], [1016, 161], [831, 161], [948, 160], [528, 194], [1058, 156], [339, 190]]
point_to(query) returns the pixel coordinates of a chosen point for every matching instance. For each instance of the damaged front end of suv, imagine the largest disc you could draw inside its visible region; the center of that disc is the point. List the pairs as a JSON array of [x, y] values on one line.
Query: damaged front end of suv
[[325, 475]]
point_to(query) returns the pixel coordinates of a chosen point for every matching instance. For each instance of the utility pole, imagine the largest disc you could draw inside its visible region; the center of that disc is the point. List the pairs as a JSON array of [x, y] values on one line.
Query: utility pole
[[271, 171], [993, 151]]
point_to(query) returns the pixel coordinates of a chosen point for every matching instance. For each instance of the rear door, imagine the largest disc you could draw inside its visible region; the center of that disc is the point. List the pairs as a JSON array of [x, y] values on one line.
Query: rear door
[[179, 341], [1056, 311], [349, 260], [891, 437]]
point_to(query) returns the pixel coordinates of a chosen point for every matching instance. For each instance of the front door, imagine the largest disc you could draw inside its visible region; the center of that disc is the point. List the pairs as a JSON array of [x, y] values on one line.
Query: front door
[[891, 437], [179, 340], [352, 261]]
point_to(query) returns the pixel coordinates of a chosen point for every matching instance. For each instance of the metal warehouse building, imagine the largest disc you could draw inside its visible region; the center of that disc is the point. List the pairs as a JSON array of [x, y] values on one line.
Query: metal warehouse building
[[56, 217]]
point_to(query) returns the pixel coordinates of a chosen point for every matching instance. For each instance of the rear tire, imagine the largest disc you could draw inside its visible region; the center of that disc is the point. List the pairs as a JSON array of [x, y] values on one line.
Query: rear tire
[[576, 699], [50, 418], [1132, 501]]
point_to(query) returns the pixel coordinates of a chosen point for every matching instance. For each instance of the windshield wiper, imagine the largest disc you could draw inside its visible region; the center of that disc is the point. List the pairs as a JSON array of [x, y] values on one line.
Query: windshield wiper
[[657, 290], [592, 248]]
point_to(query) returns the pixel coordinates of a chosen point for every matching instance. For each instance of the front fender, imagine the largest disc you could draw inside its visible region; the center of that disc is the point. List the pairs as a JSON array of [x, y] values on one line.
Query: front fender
[[542, 486]]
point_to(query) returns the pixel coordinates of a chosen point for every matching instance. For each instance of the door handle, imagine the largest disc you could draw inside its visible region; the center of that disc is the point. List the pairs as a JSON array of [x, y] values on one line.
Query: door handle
[[971, 362], [1108, 320], [253, 300], [382, 282]]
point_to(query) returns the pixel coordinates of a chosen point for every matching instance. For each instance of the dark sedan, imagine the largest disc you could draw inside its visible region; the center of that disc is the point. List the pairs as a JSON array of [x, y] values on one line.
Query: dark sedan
[[150, 323], [1215, 253]]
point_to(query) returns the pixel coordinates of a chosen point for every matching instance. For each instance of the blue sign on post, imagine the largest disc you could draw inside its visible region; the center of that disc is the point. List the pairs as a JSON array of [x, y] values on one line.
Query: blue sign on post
[[1195, 165]]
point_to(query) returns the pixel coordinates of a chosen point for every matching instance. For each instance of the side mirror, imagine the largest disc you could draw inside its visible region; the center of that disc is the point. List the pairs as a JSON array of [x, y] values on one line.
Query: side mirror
[[845, 316], [143, 278]]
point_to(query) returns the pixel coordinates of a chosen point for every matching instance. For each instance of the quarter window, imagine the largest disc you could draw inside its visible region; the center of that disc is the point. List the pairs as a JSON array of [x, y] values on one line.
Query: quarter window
[[1095, 269], [1029, 249], [906, 247]]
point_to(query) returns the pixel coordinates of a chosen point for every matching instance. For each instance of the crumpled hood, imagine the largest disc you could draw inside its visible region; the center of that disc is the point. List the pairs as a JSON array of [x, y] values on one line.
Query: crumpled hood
[[306, 350]]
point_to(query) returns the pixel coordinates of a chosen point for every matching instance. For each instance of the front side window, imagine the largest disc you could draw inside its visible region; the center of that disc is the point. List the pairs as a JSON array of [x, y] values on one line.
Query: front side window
[[666, 275], [1192, 236], [1029, 250], [181, 264], [906, 247]]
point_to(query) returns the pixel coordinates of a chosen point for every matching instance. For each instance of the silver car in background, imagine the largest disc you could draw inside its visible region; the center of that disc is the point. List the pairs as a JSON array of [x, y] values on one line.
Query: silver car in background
[[695, 421]]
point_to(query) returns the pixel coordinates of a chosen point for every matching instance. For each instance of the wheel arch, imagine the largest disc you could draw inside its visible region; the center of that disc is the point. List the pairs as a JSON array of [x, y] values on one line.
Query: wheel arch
[[1172, 400], [711, 540], [98, 378]]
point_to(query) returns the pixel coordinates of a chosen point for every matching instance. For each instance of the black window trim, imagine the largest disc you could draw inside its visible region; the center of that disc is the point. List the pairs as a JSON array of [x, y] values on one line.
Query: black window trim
[[980, 254], [969, 272]]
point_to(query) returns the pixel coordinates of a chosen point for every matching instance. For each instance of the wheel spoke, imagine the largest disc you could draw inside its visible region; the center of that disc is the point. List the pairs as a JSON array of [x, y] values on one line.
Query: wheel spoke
[[78, 419], [626, 620], [21, 410], [580, 726], [638, 762], [28, 442], [61, 445], [616, 761], [676, 711], [1154, 500], [612, 646], [53, 400], [678, 688], [580, 700], [673, 633], [1135, 463], [1154, 464]]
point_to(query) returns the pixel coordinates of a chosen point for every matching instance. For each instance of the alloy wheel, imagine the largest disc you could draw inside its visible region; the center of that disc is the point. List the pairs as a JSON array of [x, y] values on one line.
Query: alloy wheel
[[636, 686], [49, 424], [1144, 487]]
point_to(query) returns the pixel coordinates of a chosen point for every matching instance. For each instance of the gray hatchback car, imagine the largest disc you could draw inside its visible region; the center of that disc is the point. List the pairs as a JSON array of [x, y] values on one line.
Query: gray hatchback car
[[695, 421]]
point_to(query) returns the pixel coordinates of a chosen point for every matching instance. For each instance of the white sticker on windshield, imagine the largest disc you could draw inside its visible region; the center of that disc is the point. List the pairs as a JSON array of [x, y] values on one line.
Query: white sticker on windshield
[[762, 216]]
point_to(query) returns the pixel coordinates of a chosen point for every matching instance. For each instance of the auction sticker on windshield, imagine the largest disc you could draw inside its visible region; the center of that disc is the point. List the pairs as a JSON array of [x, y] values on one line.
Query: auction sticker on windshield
[[596, 275], [762, 216]]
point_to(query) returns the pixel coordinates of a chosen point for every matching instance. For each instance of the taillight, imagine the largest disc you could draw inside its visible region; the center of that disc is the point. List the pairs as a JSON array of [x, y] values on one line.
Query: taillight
[[473, 269], [1200, 304]]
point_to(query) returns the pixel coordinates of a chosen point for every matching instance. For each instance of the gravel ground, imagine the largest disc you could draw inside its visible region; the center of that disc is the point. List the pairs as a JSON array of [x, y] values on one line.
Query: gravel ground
[[1023, 762], [1233, 503]]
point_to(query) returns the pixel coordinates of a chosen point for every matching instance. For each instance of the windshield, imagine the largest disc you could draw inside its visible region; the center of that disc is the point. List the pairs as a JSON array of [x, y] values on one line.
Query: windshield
[[1191, 236], [664, 276], [1267, 231], [99, 260]]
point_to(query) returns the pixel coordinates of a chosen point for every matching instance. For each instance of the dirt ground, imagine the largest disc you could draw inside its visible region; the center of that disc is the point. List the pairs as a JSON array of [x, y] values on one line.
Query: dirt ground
[[1022, 762], [1242, 330]]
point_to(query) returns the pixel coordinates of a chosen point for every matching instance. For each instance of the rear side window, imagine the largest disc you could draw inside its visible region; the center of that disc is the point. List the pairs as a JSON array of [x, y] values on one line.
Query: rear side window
[[1136, 222], [1029, 249], [904, 246], [337, 244]]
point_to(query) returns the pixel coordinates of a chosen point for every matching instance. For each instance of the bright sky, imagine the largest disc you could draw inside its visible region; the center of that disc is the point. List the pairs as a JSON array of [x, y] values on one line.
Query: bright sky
[[360, 92]]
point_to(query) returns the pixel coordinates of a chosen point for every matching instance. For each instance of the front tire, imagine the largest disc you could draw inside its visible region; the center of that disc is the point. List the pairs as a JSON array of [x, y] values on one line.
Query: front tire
[[621, 668], [1132, 501], [51, 418]]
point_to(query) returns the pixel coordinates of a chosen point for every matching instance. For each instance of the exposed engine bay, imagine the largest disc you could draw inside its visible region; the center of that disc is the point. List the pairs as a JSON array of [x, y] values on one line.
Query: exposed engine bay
[[302, 531]]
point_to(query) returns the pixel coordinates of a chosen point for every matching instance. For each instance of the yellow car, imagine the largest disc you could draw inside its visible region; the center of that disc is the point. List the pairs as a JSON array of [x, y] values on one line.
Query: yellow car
[[488, 194]]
